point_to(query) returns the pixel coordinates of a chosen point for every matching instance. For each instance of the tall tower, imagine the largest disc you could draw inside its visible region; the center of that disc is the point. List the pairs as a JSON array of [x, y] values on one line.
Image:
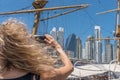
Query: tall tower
[[97, 32], [53, 33], [108, 51], [71, 43], [90, 48], [60, 36], [98, 44], [78, 48]]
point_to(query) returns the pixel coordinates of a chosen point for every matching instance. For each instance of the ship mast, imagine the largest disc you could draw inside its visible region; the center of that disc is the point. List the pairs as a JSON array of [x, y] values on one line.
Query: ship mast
[[117, 31], [38, 4], [117, 34]]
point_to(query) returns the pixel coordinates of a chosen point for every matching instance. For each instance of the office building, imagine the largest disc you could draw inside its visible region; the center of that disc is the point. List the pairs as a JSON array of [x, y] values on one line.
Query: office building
[[78, 48], [108, 56], [71, 43], [90, 48], [98, 44]]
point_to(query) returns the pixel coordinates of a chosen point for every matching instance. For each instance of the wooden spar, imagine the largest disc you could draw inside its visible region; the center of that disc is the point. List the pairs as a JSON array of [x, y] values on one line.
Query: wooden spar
[[106, 39], [45, 9], [104, 12]]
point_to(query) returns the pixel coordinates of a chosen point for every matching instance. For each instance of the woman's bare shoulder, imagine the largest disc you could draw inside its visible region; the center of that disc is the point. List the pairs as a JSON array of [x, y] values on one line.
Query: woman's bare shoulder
[[52, 75]]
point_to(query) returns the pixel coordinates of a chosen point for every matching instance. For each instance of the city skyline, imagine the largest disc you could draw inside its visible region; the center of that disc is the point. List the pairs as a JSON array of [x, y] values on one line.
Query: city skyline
[[93, 50]]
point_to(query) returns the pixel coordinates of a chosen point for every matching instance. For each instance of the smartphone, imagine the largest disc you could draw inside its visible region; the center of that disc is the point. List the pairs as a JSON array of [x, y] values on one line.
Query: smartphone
[[40, 38]]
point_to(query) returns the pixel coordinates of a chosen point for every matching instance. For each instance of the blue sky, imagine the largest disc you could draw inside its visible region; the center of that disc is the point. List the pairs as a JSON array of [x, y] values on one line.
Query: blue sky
[[81, 22]]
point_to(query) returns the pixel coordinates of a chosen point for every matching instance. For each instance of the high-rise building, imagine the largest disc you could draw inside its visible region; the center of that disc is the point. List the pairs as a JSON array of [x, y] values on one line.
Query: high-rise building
[[60, 36], [78, 48], [84, 53], [108, 56], [114, 50], [71, 43], [98, 44], [53, 33], [86, 47], [90, 48], [97, 32]]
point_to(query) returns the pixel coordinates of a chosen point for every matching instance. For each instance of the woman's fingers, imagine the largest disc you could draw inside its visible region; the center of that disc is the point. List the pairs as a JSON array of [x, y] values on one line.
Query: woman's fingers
[[49, 39]]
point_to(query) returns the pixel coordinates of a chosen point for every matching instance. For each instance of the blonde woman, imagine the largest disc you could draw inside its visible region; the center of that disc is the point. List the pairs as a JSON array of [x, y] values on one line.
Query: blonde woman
[[23, 58]]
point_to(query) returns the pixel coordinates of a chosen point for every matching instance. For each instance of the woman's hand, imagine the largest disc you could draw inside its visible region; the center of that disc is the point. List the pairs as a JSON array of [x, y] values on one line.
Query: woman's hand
[[51, 41]]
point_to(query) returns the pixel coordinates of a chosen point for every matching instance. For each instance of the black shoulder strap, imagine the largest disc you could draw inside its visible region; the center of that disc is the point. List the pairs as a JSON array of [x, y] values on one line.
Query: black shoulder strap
[[37, 77]]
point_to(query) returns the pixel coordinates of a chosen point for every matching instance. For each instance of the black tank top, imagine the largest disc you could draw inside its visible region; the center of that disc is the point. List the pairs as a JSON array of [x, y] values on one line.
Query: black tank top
[[28, 76]]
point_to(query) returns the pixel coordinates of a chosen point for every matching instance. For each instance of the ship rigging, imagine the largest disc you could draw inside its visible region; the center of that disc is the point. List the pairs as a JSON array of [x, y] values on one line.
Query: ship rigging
[[39, 7]]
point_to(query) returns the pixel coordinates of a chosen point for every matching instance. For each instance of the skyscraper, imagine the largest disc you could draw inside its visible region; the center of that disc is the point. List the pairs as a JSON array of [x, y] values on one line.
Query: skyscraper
[[90, 48], [53, 33], [60, 36], [97, 32], [98, 44], [115, 49], [108, 51], [78, 48], [71, 43]]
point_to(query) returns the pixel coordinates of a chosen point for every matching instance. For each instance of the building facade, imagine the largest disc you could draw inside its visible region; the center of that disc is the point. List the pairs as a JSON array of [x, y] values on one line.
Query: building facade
[[90, 48], [108, 56], [71, 43], [98, 44], [58, 35], [53, 33], [78, 48]]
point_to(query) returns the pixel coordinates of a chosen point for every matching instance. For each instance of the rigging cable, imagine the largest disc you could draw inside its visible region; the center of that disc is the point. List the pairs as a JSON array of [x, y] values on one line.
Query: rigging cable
[[90, 16], [60, 14], [28, 7], [94, 20], [100, 4]]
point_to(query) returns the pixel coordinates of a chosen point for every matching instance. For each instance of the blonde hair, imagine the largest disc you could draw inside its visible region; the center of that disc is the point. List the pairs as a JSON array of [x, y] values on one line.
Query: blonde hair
[[19, 50]]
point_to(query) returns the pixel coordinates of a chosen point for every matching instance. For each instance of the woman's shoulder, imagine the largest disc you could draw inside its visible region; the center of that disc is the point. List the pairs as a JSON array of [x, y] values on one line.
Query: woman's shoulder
[[28, 76]]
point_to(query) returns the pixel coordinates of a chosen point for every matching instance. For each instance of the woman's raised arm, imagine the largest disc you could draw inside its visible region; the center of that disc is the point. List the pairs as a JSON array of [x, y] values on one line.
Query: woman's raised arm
[[63, 72]]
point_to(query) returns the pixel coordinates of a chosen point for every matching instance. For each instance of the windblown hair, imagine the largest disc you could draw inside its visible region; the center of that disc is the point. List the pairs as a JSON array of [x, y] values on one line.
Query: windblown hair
[[19, 50]]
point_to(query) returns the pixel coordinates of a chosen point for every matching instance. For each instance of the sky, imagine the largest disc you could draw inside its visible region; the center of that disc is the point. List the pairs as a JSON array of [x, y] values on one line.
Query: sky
[[81, 22]]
